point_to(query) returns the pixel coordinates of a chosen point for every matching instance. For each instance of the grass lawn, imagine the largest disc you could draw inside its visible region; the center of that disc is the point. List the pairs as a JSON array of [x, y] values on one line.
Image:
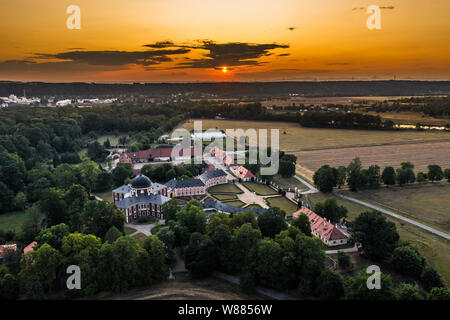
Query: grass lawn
[[129, 230], [290, 182], [427, 203], [225, 188], [259, 189], [107, 195], [284, 204], [236, 203], [225, 196], [12, 220]]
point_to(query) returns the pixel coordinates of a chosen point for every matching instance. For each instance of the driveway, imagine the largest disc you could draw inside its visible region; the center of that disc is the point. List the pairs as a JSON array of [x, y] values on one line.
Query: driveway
[[143, 228], [249, 197]]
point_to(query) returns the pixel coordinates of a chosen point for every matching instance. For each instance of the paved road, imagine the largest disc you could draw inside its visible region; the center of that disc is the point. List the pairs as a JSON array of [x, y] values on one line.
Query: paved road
[[312, 189], [267, 292], [354, 249], [397, 216]]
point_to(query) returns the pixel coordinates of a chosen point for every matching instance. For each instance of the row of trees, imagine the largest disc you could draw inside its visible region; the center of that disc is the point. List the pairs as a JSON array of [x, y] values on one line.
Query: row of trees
[[326, 177]]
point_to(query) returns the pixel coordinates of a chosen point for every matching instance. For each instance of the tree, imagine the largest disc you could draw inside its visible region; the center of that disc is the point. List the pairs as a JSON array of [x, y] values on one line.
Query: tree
[[266, 263], [89, 174], [53, 236], [200, 256], [96, 151], [54, 207], [407, 165], [192, 217], [373, 176], [356, 288], [271, 222], [120, 173], [354, 176], [407, 259], [330, 285], [167, 236], [107, 144], [169, 210], [99, 216], [405, 176], [388, 176], [431, 279], [287, 168], [9, 285], [32, 224], [377, 236], [435, 173], [447, 174], [104, 181], [407, 292], [64, 176], [329, 209], [157, 253], [238, 219], [341, 176], [421, 177], [112, 234], [6, 198], [244, 239], [75, 199], [20, 201], [325, 178], [439, 294], [41, 265], [303, 224], [344, 260]]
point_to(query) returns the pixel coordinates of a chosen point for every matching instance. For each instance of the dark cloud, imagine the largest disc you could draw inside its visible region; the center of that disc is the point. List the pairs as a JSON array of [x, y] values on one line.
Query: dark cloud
[[338, 63], [214, 55], [115, 58], [283, 55], [230, 54], [291, 28]]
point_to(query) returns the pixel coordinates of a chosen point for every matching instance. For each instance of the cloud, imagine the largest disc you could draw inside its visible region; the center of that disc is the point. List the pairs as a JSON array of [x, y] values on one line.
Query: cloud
[[291, 28], [382, 8], [212, 56], [283, 55], [114, 58], [230, 54]]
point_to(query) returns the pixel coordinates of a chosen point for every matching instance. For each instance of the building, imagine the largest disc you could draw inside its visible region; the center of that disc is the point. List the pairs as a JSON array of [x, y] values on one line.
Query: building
[[324, 229], [29, 247], [6, 247], [214, 177], [186, 188], [155, 155], [243, 173], [141, 198]]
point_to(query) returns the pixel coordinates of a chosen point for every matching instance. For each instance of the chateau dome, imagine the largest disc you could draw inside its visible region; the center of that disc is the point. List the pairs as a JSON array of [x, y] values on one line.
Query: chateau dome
[[141, 182]]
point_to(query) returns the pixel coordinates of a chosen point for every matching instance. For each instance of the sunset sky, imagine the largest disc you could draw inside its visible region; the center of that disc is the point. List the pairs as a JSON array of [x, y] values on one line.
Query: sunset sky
[[193, 40]]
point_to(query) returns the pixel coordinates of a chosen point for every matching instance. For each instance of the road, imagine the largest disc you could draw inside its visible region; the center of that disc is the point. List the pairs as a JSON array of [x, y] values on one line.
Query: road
[[394, 215], [267, 292], [312, 189]]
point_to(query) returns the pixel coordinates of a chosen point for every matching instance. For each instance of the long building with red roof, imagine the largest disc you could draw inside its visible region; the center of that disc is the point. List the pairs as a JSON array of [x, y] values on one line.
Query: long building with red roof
[[323, 229]]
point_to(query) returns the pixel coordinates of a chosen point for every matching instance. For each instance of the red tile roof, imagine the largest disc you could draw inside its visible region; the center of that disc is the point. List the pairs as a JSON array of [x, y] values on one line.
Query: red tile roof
[[244, 173], [319, 225], [29, 247]]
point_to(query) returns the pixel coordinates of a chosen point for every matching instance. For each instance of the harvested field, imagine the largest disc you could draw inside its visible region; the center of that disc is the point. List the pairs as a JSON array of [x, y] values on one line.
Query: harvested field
[[293, 137], [420, 154]]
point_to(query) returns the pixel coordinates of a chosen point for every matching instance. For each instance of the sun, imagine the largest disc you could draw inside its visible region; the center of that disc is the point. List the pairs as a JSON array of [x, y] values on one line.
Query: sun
[[224, 69]]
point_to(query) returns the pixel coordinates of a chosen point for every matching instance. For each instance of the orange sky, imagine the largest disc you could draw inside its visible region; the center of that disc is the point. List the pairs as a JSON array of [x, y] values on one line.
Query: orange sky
[[328, 40]]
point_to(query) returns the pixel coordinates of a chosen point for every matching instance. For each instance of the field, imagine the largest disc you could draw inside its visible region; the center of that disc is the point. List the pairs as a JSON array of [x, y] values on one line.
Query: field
[[429, 204], [12, 220], [433, 247], [420, 154], [224, 188], [259, 189], [293, 137], [411, 118], [284, 204]]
